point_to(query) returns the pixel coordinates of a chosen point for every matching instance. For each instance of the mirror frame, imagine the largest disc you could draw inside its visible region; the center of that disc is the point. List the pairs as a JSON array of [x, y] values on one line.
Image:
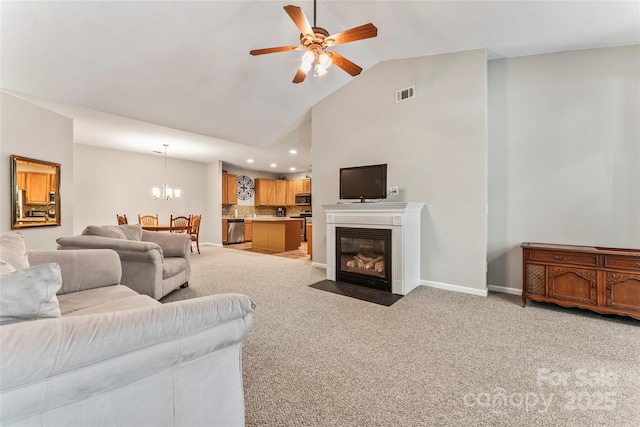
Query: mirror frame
[[16, 222]]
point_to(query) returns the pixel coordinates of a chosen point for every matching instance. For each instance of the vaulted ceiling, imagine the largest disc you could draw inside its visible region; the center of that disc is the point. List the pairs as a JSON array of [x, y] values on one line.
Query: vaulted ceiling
[[138, 74]]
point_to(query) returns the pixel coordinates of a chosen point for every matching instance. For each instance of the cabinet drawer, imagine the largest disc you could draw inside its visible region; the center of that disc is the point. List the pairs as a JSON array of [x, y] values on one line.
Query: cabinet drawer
[[622, 263], [564, 258]]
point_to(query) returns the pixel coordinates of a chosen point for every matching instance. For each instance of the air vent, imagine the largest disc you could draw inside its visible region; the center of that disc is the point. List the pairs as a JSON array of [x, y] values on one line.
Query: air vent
[[404, 94]]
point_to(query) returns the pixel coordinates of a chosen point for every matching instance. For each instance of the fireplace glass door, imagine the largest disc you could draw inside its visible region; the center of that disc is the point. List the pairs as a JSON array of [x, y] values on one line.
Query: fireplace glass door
[[363, 257]]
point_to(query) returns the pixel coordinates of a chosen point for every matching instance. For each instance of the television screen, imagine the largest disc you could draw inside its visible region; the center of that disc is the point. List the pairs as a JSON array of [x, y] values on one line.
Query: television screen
[[363, 182]]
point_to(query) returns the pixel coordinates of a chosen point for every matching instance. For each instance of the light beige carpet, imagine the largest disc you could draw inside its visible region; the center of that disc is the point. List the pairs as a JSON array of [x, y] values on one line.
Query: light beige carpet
[[434, 358]]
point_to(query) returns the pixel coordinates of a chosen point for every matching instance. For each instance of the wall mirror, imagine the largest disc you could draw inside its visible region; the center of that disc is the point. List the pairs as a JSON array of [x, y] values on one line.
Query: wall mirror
[[35, 193]]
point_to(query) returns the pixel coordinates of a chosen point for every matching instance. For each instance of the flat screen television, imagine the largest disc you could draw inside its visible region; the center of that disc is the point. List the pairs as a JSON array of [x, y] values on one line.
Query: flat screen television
[[363, 182]]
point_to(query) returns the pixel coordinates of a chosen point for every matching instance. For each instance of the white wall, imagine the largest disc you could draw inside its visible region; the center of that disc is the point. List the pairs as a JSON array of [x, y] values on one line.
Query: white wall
[[564, 163], [436, 149], [32, 131], [111, 182]]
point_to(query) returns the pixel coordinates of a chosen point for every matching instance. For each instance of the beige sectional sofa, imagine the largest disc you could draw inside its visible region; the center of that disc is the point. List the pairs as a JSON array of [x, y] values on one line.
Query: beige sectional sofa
[[153, 263], [98, 353]]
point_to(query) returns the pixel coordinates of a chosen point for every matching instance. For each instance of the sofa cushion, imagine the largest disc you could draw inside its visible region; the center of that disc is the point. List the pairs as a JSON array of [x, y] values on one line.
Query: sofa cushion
[[13, 250], [126, 232], [121, 304], [83, 300], [5, 267], [30, 294]]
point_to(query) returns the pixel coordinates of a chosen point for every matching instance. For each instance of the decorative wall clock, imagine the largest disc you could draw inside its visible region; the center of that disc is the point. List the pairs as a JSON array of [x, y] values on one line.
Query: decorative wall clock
[[245, 187]]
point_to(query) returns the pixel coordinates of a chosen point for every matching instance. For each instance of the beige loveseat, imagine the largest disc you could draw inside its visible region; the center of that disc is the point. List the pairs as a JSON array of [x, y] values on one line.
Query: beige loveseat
[[99, 353], [153, 263]]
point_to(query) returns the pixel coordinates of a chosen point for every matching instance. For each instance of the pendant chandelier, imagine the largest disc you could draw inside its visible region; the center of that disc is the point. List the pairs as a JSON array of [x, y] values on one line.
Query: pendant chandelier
[[166, 192]]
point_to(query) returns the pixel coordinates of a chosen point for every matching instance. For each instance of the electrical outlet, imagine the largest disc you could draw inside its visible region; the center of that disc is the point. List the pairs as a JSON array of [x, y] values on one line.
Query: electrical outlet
[[393, 190]]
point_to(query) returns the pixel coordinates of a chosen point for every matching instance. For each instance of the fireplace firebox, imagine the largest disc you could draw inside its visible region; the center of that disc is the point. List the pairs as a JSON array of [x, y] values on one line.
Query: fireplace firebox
[[363, 257]]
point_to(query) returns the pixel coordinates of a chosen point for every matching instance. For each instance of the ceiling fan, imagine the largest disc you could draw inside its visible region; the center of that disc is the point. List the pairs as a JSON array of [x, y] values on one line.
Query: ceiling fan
[[316, 41]]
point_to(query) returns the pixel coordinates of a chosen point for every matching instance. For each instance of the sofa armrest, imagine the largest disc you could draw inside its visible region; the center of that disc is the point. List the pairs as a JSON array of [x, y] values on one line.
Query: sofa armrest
[[82, 269], [172, 244], [128, 250], [55, 362]]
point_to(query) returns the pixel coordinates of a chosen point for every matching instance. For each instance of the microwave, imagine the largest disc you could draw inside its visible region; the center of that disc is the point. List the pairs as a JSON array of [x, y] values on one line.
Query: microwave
[[303, 199]]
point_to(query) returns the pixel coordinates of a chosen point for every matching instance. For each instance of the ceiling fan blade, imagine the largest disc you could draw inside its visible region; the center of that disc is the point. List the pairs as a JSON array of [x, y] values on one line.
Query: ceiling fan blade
[[345, 64], [274, 50], [301, 21], [300, 75], [365, 31]]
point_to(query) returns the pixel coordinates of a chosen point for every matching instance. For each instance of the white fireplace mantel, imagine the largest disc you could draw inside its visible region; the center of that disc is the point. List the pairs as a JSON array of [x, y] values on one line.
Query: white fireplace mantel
[[402, 218]]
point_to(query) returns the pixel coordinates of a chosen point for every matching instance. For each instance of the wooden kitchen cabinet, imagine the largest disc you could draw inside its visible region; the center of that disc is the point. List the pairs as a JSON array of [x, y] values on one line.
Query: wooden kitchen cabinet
[[225, 233], [281, 192], [248, 230], [291, 193], [306, 185], [605, 280], [22, 180], [264, 192], [38, 186], [229, 188]]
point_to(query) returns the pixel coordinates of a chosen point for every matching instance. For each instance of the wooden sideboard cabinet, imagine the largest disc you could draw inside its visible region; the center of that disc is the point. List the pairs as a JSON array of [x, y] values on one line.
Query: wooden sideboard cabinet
[[605, 280]]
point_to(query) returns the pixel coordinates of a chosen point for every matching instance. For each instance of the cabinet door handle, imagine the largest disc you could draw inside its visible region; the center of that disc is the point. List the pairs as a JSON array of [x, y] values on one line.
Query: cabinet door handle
[[561, 258], [638, 264]]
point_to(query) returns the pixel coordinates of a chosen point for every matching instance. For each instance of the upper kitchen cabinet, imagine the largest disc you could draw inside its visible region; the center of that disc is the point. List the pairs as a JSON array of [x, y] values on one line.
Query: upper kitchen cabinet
[[303, 186], [291, 192], [277, 192], [281, 192], [38, 187], [229, 188], [265, 192]]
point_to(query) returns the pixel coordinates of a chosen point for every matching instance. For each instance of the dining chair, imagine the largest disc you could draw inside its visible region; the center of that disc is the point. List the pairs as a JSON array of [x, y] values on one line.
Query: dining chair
[[148, 220], [122, 219], [180, 224], [195, 231]]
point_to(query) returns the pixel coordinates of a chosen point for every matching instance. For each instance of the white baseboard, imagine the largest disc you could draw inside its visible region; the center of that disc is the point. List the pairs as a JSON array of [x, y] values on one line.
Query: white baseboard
[[505, 290], [219, 245], [319, 265], [455, 288]]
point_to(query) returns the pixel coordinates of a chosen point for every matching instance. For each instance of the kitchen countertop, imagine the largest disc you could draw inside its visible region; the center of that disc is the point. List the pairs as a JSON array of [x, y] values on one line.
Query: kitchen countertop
[[275, 219], [261, 218]]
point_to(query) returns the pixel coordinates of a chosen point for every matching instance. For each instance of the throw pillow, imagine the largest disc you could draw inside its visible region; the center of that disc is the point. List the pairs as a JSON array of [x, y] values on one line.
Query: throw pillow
[[13, 250], [30, 294]]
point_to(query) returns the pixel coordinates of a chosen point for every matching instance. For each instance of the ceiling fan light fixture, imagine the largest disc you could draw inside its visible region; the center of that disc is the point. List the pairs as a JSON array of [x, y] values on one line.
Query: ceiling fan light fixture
[[308, 57], [325, 60], [314, 40]]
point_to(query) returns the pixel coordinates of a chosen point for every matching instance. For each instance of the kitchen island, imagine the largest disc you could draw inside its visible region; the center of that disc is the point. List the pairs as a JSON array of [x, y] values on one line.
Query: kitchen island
[[276, 234]]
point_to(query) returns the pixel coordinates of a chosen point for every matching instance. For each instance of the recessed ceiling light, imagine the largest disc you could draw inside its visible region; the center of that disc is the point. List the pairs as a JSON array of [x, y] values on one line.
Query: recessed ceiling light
[[292, 169], [249, 160], [293, 151], [273, 165]]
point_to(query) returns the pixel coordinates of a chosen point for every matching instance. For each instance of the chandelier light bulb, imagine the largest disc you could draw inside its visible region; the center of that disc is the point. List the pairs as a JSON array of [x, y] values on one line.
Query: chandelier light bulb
[[325, 60], [321, 70], [308, 57], [305, 66]]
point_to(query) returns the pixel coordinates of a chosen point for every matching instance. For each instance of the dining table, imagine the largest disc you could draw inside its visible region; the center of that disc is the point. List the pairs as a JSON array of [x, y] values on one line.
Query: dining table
[[165, 227]]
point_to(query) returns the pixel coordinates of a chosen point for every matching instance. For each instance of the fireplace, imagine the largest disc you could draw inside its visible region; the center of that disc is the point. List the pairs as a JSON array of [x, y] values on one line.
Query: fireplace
[[400, 219], [363, 257]]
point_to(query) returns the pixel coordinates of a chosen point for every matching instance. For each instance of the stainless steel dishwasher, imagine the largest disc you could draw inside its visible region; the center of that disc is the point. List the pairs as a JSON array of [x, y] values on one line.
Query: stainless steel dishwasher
[[235, 230]]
